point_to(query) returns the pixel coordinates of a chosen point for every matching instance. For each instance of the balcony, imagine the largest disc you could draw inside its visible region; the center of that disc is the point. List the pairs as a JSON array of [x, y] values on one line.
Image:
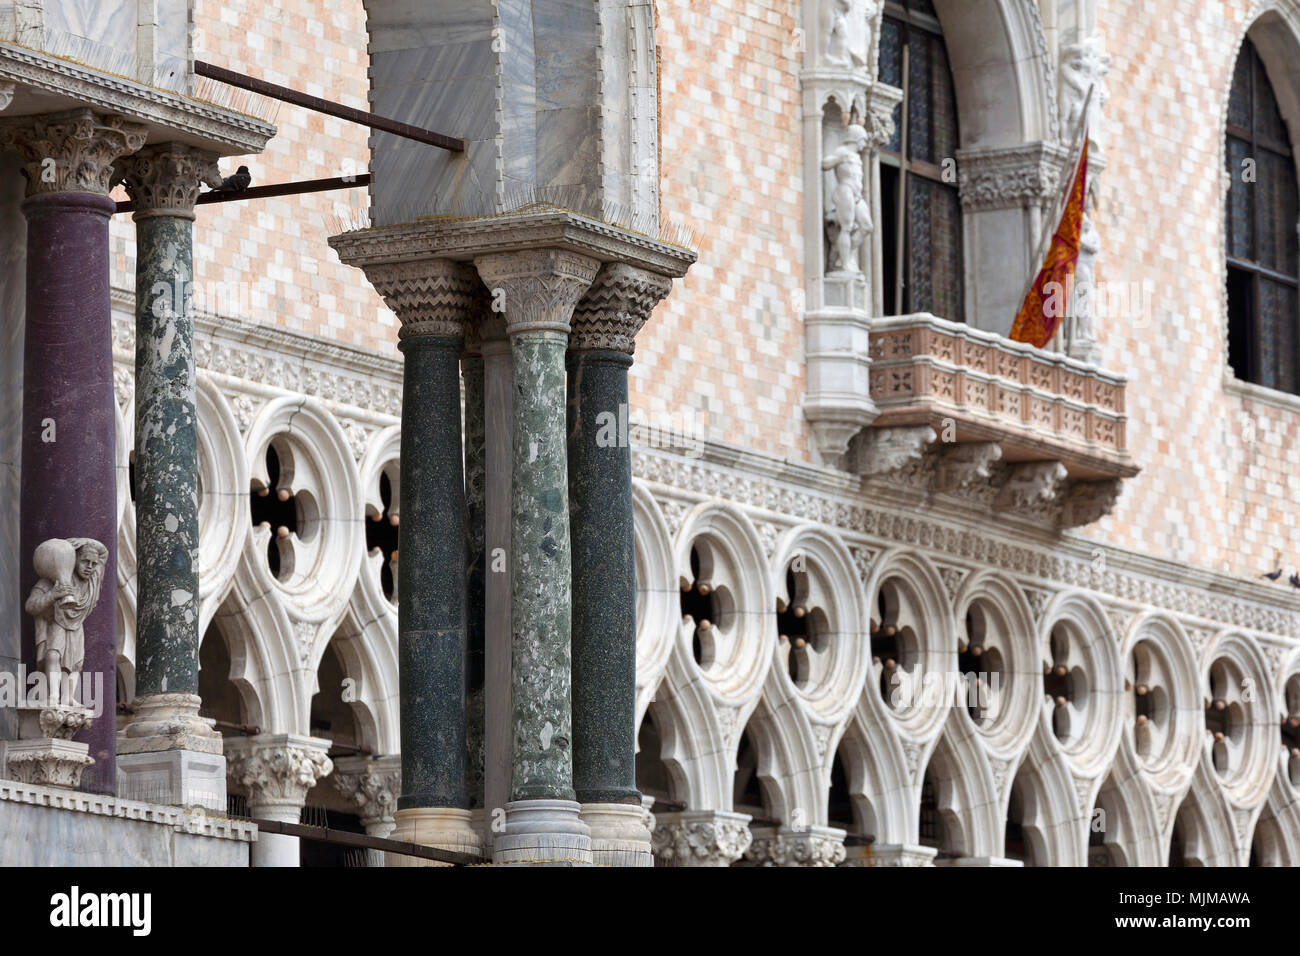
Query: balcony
[[969, 412]]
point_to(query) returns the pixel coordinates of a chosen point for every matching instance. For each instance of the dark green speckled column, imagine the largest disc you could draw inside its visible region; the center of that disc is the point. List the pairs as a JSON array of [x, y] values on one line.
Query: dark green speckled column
[[431, 577], [471, 369], [605, 325], [434, 300]]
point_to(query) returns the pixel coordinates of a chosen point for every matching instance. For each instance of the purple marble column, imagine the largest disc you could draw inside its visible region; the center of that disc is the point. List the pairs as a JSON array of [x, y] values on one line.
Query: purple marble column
[[68, 479]]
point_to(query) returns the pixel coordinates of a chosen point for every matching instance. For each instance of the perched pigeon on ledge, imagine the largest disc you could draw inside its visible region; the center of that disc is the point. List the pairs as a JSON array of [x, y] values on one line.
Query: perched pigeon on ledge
[[236, 183]]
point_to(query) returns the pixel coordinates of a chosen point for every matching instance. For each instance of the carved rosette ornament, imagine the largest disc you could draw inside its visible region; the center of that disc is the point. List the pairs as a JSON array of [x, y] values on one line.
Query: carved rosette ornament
[[277, 770], [164, 180], [617, 304], [431, 297], [700, 838], [72, 151], [812, 846]]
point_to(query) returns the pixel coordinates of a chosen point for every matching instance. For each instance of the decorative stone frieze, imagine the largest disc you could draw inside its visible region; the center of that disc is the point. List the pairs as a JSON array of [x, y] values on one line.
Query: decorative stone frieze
[[72, 151], [164, 180], [1010, 177], [807, 846], [709, 838], [615, 307]]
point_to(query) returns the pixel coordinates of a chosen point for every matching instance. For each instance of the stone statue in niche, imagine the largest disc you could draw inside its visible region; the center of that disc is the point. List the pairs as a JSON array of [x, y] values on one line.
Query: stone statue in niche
[[1083, 66], [1083, 341], [72, 572], [848, 217], [847, 30]]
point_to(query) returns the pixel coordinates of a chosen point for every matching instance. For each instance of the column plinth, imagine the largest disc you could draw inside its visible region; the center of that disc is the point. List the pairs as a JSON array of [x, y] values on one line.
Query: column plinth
[[69, 479], [539, 289]]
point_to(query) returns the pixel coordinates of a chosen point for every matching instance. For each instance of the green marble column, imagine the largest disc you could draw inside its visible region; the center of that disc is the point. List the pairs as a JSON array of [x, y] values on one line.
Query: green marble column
[[163, 182], [471, 370], [539, 290]]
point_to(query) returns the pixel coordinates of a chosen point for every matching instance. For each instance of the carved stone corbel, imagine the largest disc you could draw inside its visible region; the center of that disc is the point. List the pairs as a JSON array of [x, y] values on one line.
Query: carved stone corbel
[[1032, 486], [884, 452], [963, 465], [1089, 501]]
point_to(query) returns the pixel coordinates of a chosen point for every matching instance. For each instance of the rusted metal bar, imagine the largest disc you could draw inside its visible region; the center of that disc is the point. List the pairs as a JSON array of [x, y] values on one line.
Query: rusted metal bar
[[274, 189], [361, 117], [365, 842]]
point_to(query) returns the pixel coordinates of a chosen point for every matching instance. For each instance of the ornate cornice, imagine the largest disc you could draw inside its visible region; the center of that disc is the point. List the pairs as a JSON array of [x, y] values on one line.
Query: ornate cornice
[[229, 132], [1009, 177], [72, 151], [164, 180], [615, 307], [277, 770], [431, 297], [538, 287]]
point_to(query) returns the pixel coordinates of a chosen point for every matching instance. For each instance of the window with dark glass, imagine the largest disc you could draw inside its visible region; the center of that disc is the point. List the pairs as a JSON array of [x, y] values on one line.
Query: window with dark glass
[[1263, 346], [920, 212]]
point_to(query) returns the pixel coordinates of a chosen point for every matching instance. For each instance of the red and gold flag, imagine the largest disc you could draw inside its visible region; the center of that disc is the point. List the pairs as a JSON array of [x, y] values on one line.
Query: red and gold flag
[[1044, 306]]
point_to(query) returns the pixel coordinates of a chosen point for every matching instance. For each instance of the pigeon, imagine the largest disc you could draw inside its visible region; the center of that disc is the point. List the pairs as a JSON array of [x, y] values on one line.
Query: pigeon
[[1273, 576], [236, 183], [1295, 580]]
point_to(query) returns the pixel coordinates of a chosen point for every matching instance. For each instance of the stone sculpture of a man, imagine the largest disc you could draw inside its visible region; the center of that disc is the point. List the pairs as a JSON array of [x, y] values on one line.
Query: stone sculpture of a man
[[848, 217], [72, 572]]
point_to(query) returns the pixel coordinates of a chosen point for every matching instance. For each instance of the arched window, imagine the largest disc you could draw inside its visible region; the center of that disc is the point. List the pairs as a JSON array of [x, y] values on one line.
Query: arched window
[[1263, 346], [920, 210]]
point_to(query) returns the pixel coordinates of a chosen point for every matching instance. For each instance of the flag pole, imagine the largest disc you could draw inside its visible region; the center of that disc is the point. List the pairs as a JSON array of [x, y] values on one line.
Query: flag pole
[[1050, 225]]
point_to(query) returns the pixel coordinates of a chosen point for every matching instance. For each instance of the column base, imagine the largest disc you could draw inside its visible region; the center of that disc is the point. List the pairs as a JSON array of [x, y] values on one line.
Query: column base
[[168, 722], [176, 778], [543, 833], [902, 854], [443, 827], [620, 835]]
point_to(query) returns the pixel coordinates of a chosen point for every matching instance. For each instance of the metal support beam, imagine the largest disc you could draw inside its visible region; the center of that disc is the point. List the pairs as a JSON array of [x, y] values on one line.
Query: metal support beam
[[274, 189], [361, 117]]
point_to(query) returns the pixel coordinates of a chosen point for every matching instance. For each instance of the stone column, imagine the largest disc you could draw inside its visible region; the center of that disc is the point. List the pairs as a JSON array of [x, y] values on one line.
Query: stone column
[[276, 772], [371, 784], [605, 325], [471, 365], [166, 752], [68, 480], [433, 299], [540, 289], [710, 838]]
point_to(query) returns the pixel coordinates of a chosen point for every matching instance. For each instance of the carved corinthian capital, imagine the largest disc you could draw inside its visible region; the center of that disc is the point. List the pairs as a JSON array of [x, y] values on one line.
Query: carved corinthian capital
[[277, 770], [164, 180], [72, 151], [879, 119], [616, 306], [700, 838], [371, 784], [432, 297], [810, 846], [538, 287]]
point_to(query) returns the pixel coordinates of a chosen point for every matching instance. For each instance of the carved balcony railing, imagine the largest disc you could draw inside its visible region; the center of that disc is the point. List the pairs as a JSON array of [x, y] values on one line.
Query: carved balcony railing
[[971, 412]]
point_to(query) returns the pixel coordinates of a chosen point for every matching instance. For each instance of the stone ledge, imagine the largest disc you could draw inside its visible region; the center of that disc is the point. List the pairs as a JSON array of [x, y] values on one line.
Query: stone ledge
[[197, 824]]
